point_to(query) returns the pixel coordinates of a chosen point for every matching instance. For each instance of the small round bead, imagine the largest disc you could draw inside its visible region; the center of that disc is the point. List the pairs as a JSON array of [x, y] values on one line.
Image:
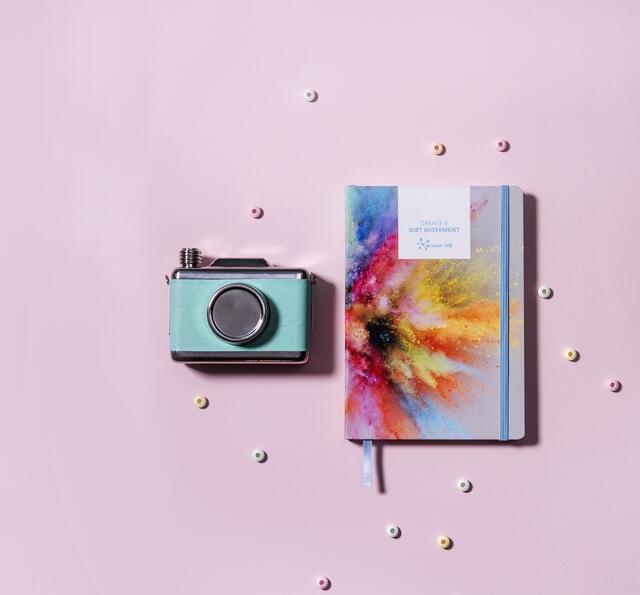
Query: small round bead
[[571, 354], [259, 455], [502, 145], [256, 212], [200, 401], [464, 485], [438, 149], [323, 582], [310, 95], [544, 292], [444, 542], [393, 531], [614, 385]]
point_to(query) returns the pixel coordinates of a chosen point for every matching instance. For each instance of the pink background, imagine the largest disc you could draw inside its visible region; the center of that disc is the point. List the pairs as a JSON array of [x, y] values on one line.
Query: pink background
[[130, 129]]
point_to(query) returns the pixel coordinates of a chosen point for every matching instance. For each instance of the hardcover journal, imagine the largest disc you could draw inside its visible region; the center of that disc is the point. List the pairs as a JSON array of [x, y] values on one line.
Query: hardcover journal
[[434, 313]]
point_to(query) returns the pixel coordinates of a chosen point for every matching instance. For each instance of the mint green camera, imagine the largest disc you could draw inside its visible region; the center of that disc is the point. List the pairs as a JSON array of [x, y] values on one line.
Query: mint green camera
[[239, 311]]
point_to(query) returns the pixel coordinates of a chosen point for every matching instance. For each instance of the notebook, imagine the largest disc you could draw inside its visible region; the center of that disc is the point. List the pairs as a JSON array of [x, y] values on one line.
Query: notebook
[[434, 318]]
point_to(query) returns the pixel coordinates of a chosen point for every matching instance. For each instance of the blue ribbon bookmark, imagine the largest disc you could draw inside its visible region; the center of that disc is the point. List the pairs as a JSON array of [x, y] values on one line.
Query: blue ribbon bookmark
[[504, 313], [366, 463]]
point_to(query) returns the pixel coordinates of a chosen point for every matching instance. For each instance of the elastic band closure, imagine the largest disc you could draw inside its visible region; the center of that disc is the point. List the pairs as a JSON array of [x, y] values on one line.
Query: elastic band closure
[[366, 463], [504, 313]]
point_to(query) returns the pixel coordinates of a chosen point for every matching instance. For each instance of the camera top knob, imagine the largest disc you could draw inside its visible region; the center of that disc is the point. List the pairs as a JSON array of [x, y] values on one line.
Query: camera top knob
[[190, 258]]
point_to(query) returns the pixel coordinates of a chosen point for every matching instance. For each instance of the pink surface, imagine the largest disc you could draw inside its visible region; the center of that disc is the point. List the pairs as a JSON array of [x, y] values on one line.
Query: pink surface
[[131, 129]]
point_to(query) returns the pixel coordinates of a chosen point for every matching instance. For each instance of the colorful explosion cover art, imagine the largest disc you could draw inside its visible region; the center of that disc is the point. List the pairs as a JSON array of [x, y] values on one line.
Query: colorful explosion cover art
[[423, 336]]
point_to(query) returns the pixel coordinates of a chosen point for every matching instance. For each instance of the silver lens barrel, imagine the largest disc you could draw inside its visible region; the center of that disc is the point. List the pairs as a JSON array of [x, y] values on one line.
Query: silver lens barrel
[[238, 313]]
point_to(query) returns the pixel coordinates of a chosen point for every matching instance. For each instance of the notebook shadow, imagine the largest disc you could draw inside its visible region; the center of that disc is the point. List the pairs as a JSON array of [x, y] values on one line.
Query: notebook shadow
[[531, 372], [322, 352]]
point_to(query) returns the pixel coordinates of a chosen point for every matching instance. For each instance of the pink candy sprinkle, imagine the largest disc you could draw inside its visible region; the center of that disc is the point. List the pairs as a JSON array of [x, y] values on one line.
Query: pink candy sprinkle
[[614, 385]]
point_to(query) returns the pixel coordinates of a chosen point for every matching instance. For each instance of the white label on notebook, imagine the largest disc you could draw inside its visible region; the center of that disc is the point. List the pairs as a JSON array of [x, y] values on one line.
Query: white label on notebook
[[434, 223]]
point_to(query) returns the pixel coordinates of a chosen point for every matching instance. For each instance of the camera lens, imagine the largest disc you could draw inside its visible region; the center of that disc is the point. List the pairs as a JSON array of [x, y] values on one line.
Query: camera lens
[[238, 313]]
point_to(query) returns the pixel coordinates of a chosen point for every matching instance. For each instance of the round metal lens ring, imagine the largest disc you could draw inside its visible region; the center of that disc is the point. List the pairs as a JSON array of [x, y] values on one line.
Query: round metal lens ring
[[257, 330]]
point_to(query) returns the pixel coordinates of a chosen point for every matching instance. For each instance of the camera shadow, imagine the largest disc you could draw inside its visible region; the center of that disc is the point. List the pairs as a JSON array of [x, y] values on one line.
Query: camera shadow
[[321, 355]]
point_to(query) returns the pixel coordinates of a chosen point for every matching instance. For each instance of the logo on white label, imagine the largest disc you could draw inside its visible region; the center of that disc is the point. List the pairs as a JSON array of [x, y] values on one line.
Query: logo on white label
[[434, 223]]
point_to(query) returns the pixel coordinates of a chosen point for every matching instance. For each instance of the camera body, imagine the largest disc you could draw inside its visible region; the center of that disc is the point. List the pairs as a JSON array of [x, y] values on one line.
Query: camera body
[[239, 311]]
